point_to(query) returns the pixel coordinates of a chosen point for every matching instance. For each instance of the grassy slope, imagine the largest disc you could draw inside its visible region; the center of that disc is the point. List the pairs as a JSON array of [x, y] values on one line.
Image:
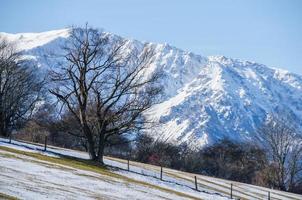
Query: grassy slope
[[7, 197], [89, 166]]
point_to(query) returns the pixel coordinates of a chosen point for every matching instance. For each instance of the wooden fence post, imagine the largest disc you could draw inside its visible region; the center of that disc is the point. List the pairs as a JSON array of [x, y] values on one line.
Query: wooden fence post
[[161, 173], [231, 190], [128, 161], [10, 137], [269, 195], [45, 143], [196, 187]]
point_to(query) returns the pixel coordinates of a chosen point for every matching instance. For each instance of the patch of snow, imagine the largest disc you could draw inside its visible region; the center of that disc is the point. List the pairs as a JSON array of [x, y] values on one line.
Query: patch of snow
[[26, 41]]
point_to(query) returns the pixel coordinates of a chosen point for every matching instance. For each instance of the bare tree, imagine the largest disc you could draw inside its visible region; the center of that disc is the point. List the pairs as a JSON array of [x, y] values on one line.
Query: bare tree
[[104, 83], [284, 147], [20, 87]]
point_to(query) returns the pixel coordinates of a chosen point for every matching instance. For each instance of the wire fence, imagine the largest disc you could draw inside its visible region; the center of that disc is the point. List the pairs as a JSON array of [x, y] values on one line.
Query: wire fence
[[157, 172]]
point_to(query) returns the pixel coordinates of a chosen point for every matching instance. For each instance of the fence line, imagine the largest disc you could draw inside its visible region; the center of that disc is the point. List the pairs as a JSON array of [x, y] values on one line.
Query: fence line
[[44, 148], [195, 187], [45, 143], [231, 190]]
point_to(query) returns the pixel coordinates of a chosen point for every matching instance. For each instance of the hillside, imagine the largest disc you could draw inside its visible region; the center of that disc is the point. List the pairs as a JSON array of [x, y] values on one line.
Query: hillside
[[52, 175], [47, 176], [205, 98]]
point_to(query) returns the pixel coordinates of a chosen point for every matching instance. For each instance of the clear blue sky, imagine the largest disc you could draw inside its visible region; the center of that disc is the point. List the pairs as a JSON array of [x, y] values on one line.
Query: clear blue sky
[[265, 31]]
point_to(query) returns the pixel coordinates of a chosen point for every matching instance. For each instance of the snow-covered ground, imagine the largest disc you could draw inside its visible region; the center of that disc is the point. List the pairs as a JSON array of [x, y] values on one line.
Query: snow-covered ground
[[30, 178], [95, 185]]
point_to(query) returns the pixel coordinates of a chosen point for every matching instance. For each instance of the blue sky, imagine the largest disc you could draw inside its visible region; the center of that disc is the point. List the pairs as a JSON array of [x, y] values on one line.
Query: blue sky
[[265, 31]]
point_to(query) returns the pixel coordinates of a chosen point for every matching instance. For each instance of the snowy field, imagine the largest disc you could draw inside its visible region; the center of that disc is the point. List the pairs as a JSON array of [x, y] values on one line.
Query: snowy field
[[26, 177], [38, 179]]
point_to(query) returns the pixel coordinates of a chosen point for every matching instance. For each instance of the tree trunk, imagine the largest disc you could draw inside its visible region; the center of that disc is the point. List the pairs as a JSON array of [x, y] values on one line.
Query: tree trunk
[[282, 177], [90, 141], [91, 149], [2, 120], [292, 174], [101, 148], [3, 130]]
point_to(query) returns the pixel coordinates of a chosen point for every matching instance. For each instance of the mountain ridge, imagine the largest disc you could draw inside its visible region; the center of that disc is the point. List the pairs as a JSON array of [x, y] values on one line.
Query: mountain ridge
[[205, 98]]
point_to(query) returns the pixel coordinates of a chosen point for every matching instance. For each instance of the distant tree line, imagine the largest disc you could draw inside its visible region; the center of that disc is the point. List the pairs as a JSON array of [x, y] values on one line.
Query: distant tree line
[[274, 161]]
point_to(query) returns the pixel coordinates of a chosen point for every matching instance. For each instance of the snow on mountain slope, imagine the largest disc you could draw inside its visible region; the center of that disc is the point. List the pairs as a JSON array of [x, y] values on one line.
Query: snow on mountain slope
[[229, 98], [26, 41], [205, 98]]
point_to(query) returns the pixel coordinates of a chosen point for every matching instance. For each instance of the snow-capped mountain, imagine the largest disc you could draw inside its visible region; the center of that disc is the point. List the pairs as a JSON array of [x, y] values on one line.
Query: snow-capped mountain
[[205, 98]]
